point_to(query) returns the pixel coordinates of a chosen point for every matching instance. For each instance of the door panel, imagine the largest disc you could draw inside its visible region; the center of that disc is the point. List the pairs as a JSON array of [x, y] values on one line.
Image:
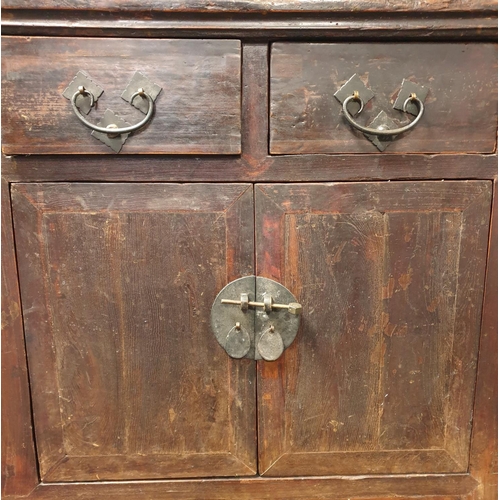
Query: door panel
[[380, 378], [117, 282]]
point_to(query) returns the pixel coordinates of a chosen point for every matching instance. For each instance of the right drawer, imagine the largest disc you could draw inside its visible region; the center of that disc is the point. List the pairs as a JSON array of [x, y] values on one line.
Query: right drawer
[[460, 114]]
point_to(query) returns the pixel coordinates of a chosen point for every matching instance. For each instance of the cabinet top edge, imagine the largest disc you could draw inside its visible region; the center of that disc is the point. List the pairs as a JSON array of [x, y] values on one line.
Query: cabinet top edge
[[253, 25], [259, 6]]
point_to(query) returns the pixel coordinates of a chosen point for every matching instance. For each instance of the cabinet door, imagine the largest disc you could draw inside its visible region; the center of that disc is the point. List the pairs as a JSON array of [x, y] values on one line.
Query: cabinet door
[[380, 378], [117, 282]]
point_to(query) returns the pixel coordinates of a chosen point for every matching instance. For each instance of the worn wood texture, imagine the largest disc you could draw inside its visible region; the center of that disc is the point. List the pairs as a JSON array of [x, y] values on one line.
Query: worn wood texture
[[483, 25], [117, 283], [260, 6], [453, 487], [381, 376], [484, 451], [19, 468], [254, 165], [197, 112], [460, 109], [251, 167], [255, 108]]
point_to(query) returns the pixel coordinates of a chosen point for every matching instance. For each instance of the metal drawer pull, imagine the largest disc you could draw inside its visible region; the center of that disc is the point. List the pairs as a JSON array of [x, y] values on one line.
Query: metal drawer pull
[[382, 129], [112, 129], [140, 92]]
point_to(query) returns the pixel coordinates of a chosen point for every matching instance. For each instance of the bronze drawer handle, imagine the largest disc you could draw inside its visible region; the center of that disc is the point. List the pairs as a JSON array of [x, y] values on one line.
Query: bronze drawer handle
[[382, 130], [112, 129]]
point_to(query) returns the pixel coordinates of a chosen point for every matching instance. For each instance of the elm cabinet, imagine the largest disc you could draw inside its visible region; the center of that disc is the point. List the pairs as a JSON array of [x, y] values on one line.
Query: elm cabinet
[[114, 385]]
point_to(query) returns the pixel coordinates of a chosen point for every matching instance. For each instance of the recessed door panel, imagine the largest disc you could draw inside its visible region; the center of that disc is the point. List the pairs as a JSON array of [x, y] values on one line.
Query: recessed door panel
[[117, 282], [380, 378]]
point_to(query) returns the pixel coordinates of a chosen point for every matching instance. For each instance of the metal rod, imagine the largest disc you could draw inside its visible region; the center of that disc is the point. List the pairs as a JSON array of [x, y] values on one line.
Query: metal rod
[[253, 304]]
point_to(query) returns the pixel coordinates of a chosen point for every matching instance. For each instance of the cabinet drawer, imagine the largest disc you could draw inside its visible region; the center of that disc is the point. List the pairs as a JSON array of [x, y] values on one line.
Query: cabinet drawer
[[460, 112], [196, 112]]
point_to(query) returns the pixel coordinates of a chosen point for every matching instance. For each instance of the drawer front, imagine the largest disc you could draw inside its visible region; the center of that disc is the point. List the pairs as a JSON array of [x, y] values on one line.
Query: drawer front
[[197, 111], [460, 112]]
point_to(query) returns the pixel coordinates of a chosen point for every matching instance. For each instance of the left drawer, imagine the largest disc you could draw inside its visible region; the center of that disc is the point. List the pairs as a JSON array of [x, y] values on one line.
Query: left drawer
[[198, 110]]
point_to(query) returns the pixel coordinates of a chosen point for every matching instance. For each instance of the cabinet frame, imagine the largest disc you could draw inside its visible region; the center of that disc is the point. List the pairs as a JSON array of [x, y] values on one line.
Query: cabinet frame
[[20, 469]]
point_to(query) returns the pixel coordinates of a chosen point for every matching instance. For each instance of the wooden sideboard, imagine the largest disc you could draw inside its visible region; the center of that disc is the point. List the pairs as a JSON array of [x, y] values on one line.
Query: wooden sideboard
[[115, 246]]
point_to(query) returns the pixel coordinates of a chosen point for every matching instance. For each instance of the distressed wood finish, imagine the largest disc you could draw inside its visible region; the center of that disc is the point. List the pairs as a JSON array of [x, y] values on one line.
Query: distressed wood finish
[[276, 26], [250, 167], [19, 468], [460, 109], [381, 376], [473, 20], [117, 282], [261, 6], [197, 112], [484, 452], [455, 487]]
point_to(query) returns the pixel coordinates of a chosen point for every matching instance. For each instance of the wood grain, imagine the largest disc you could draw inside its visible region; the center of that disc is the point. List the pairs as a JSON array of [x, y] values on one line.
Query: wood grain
[[260, 6], [460, 109], [321, 26], [484, 450], [429, 235], [454, 487], [255, 104], [19, 466], [381, 376], [117, 283], [197, 112], [249, 168]]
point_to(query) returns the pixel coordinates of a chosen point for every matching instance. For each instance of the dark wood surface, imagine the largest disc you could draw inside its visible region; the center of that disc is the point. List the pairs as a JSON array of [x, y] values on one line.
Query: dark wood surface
[[19, 466], [484, 451], [259, 6], [249, 168], [454, 487], [117, 283], [460, 109], [253, 27], [197, 112], [381, 376], [254, 165]]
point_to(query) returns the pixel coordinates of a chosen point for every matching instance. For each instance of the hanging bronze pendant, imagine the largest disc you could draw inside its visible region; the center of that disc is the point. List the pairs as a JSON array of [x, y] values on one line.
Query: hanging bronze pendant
[[237, 342], [270, 345]]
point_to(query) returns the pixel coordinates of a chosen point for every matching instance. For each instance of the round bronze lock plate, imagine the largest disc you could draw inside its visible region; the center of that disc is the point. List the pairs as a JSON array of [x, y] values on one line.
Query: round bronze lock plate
[[258, 307]]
